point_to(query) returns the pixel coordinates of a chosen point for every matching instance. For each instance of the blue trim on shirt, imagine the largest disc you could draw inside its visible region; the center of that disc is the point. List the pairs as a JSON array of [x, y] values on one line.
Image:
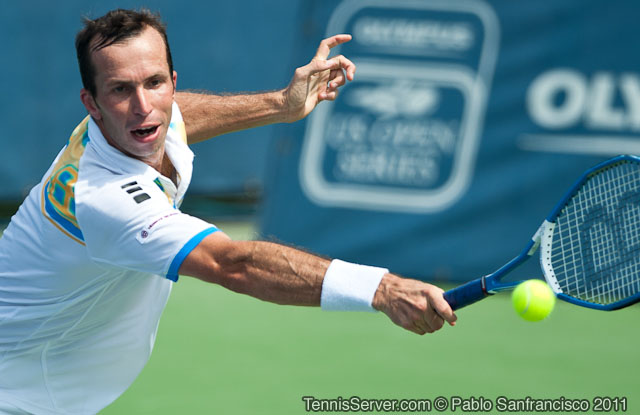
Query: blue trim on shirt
[[186, 250]]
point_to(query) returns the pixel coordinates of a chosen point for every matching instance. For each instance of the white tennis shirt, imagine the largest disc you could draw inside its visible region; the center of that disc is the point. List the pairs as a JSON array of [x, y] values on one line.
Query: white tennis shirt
[[85, 270]]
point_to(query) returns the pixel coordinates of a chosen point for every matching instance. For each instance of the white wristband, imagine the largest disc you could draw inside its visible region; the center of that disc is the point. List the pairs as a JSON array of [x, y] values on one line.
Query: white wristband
[[350, 287]]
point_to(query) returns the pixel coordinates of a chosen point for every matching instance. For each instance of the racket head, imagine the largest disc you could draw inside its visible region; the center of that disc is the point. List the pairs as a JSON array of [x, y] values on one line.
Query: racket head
[[590, 243]]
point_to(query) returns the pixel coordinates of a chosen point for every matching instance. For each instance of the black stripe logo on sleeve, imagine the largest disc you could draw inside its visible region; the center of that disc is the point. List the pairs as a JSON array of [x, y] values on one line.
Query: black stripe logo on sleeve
[[136, 191], [141, 197]]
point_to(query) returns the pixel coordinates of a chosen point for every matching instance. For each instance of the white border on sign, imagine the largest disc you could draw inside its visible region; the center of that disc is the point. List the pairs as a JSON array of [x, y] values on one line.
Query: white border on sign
[[474, 88]]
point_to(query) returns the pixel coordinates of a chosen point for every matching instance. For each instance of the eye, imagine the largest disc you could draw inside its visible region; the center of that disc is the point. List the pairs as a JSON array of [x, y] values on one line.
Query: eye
[[154, 83], [119, 89]]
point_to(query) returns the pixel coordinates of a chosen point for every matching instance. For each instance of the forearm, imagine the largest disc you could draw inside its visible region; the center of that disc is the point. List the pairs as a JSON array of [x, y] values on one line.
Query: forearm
[[209, 115], [270, 272], [284, 275]]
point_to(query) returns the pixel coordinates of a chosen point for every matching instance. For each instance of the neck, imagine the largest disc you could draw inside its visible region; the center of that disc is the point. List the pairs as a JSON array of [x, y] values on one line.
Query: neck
[[167, 169]]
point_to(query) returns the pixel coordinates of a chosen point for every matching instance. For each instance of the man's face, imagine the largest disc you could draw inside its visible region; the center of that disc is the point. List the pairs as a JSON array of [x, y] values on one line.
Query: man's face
[[134, 94]]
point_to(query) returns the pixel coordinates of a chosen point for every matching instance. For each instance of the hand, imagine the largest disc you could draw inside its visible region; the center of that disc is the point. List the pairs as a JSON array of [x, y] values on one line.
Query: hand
[[414, 305], [319, 80]]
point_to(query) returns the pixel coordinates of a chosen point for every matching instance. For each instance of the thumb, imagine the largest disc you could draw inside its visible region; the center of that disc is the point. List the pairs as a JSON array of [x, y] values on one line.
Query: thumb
[[442, 307]]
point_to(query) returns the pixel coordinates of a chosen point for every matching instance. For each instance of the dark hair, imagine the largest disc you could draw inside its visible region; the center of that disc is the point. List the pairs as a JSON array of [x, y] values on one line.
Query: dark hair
[[114, 27]]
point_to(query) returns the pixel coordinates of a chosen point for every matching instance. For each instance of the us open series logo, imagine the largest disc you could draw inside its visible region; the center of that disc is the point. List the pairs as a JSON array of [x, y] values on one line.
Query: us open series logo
[[403, 136]]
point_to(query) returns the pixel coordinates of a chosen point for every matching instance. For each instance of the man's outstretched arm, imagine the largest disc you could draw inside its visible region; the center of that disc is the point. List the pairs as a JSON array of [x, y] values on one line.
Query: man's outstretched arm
[[208, 115], [284, 275]]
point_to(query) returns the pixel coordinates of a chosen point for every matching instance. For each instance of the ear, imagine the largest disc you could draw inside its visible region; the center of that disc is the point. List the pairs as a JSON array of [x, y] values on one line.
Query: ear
[[90, 104], [175, 82]]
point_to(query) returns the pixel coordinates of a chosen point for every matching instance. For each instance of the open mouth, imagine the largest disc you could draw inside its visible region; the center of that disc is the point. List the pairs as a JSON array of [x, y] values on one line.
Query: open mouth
[[144, 132]]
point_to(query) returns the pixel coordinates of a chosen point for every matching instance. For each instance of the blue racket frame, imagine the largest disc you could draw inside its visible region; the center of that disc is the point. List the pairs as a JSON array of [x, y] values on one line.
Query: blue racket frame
[[487, 285]]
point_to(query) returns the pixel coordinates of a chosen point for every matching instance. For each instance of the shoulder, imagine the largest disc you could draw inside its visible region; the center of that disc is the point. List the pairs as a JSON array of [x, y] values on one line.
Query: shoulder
[[113, 211], [129, 222], [110, 197]]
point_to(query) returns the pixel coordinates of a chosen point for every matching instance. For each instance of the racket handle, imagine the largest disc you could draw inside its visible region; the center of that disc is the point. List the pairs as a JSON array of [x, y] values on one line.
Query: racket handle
[[466, 294]]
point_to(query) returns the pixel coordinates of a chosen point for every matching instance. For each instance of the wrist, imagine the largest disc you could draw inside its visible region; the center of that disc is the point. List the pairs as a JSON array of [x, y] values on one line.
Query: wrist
[[380, 301], [281, 106], [350, 287], [289, 113]]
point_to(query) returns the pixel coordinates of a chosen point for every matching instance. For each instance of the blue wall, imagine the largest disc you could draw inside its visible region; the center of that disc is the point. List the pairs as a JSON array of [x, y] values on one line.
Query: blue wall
[[244, 45]]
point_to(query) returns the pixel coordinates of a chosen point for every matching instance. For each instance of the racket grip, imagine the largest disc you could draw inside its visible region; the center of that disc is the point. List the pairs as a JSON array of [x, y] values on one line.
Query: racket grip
[[466, 294]]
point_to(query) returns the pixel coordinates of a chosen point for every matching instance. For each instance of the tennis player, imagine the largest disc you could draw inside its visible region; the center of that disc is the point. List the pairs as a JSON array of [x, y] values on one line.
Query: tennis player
[[88, 261]]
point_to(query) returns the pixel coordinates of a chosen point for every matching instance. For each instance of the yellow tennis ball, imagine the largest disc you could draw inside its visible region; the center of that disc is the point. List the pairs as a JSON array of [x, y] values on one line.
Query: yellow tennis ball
[[533, 300]]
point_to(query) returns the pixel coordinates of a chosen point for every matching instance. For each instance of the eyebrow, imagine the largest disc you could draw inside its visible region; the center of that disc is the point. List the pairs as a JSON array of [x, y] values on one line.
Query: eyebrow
[[121, 81]]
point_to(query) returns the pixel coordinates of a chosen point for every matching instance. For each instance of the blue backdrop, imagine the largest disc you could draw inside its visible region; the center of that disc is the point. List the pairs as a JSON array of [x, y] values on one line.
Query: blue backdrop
[[244, 45], [466, 122]]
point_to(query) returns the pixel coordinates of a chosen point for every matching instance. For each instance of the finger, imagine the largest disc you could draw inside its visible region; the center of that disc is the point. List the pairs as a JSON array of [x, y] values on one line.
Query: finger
[[419, 329], [410, 325], [337, 63], [442, 307], [316, 66], [340, 62], [434, 321], [336, 79], [327, 44], [329, 95]]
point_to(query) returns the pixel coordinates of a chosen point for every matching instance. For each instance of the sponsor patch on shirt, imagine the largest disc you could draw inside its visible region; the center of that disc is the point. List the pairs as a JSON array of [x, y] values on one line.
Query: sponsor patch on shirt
[[145, 234]]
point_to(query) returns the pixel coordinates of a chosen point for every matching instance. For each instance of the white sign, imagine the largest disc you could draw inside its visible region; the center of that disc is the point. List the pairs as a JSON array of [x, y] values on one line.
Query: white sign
[[403, 136]]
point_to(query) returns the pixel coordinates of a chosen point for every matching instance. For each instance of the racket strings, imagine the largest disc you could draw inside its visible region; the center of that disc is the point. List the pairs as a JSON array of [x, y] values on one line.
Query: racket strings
[[595, 252]]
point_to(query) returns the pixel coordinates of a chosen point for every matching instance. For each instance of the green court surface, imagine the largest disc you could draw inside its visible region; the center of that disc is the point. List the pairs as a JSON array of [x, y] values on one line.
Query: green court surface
[[222, 353]]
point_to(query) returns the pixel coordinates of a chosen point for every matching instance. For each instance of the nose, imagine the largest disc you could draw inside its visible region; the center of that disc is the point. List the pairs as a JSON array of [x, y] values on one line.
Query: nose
[[141, 103]]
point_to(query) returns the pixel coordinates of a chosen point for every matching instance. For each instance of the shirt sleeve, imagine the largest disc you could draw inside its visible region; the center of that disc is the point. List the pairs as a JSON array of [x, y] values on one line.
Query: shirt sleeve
[[131, 224]]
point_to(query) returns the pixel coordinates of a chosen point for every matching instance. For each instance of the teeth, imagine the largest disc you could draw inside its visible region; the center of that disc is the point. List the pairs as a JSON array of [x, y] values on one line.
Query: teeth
[[144, 131]]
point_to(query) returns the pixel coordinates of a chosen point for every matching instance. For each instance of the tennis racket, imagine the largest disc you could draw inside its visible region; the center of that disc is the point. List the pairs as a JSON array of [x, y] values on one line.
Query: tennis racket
[[589, 244]]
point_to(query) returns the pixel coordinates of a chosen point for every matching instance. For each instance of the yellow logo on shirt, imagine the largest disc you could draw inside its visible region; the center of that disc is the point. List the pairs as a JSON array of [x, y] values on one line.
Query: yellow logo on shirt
[[58, 198]]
